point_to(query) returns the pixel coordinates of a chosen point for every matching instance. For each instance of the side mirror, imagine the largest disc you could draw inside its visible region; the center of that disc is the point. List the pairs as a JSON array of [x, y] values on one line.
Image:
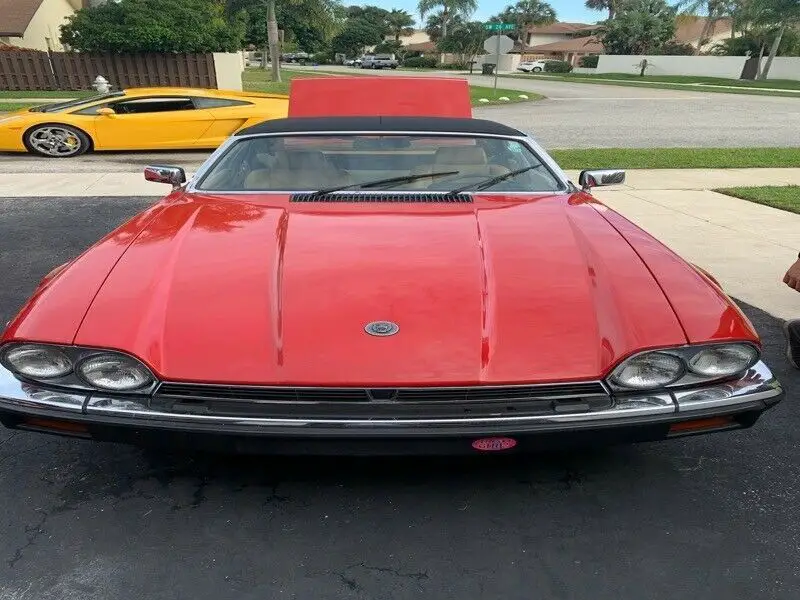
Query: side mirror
[[106, 112], [600, 177], [161, 174]]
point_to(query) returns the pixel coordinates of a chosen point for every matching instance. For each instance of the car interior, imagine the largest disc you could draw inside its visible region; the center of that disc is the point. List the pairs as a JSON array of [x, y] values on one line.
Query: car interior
[[311, 163]]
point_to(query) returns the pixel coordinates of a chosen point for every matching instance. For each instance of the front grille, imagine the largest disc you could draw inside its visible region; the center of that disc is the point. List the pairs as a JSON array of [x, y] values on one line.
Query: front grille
[[303, 402], [384, 197]]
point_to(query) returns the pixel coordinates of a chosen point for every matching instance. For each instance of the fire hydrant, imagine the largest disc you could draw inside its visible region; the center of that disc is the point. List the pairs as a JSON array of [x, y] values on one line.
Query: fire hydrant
[[101, 85]]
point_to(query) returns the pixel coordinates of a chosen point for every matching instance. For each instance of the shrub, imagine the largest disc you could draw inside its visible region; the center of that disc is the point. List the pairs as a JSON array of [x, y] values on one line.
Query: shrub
[[323, 58], [557, 66], [589, 61], [456, 66], [674, 48], [421, 62]]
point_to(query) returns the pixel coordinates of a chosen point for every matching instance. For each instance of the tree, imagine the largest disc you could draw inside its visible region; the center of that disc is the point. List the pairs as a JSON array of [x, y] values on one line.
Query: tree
[[465, 41], [525, 14], [640, 27], [779, 14], [435, 22], [714, 10], [401, 23], [755, 39], [449, 9], [609, 5], [309, 23], [356, 35], [132, 26]]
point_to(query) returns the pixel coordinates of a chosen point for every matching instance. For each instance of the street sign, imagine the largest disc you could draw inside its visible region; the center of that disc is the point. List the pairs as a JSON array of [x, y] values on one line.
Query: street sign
[[498, 44], [499, 26]]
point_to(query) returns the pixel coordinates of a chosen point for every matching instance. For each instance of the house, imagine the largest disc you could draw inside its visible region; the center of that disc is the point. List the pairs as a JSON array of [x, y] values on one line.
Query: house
[[419, 36], [689, 28], [571, 41], [557, 32], [35, 23]]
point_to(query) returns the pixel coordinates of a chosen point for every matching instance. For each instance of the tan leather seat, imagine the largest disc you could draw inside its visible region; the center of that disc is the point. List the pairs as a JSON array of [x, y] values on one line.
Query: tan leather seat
[[297, 170], [467, 160]]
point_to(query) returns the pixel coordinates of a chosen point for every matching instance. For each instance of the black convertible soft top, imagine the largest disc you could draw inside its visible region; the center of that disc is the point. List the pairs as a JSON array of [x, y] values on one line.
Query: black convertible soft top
[[389, 124]]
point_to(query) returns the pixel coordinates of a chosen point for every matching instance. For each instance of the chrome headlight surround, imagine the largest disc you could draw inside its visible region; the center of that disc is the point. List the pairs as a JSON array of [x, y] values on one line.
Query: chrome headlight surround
[[691, 365], [79, 359]]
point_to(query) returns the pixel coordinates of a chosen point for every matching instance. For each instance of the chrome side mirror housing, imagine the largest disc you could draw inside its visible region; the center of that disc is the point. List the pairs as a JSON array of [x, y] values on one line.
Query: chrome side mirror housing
[[600, 177], [175, 176]]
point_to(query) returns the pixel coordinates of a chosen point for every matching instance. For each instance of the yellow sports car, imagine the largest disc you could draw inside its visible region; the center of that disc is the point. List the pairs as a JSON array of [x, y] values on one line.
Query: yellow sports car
[[137, 119]]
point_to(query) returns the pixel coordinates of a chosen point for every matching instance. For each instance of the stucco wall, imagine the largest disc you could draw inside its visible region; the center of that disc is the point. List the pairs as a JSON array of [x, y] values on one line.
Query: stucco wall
[[45, 26], [706, 66], [508, 62], [784, 67], [228, 67], [537, 39]]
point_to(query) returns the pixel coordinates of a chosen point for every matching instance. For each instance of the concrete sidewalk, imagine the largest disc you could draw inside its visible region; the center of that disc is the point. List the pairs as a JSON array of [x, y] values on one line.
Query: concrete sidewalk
[[133, 184], [745, 245]]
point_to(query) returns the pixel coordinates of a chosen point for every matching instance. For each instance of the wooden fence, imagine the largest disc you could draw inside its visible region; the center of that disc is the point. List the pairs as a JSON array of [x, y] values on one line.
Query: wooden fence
[[33, 70]]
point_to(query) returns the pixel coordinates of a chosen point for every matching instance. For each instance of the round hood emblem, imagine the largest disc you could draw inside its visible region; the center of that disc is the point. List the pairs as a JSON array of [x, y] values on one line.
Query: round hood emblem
[[381, 328]]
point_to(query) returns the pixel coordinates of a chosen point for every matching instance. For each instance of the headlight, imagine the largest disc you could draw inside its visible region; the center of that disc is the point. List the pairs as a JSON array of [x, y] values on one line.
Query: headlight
[[115, 372], [723, 360], [38, 361], [649, 370]]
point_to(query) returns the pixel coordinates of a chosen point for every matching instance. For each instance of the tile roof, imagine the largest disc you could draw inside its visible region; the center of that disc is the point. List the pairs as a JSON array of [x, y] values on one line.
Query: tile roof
[[16, 15], [560, 27]]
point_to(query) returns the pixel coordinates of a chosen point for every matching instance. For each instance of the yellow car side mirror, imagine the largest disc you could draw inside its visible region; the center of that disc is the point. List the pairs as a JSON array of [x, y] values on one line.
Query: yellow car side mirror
[[106, 112]]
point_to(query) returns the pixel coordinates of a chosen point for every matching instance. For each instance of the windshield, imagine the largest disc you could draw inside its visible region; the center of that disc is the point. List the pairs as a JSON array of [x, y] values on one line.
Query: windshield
[[59, 106], [405, 162]]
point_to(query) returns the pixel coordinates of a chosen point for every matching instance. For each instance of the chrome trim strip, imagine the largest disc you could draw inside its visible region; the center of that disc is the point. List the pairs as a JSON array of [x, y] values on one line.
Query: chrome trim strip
[[117, 407], [756, 385]]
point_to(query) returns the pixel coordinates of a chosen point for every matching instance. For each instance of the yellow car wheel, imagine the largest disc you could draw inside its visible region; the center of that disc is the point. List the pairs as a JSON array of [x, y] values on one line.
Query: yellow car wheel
[[56, 141]]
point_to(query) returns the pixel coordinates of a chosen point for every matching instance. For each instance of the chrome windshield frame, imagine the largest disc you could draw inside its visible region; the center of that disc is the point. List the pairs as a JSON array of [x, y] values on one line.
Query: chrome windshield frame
[[539, 153]]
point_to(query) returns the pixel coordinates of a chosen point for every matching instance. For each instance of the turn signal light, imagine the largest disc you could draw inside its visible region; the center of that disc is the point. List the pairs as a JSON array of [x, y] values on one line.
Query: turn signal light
[[702, 424], [54, 426]]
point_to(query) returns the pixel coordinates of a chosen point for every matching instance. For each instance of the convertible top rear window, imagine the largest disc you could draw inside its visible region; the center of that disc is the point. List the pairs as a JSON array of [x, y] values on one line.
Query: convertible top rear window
[[385, 162]]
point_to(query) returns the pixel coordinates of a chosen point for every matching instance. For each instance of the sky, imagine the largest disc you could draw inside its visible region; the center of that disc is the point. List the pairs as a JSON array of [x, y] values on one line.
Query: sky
[[567, 10]]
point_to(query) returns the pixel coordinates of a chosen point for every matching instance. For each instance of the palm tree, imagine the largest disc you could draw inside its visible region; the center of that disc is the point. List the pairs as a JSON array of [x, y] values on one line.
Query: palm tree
[[527, 13], [449, 9], [781, 14], [609, 5], [714, 11], [401, 23]]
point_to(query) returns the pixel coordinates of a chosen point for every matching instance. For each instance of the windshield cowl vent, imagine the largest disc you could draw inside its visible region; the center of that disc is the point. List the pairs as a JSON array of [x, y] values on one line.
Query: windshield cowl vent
[[384, 197]]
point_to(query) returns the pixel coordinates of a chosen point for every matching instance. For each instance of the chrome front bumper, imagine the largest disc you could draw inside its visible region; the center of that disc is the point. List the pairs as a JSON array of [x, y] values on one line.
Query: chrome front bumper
[[756, 390]]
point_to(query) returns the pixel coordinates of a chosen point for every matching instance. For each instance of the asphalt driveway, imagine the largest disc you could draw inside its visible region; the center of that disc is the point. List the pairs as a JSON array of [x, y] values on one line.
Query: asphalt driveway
[[706, 517]]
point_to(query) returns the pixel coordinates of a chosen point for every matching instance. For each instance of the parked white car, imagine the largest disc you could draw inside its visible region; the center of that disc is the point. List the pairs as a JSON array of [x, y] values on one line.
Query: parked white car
[[533, 66]]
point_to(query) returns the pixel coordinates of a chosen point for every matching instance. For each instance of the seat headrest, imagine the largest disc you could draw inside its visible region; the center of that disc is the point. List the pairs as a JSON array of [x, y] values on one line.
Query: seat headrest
[[461, 155], [302, 160]]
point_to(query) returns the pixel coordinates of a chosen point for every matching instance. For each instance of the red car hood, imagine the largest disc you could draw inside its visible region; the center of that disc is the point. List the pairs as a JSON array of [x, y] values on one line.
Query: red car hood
[[503, 290]]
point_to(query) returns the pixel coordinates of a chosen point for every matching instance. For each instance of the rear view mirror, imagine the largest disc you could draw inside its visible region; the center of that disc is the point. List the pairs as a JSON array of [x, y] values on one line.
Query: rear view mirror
[[175, 176], [106, 112], [600, 177]]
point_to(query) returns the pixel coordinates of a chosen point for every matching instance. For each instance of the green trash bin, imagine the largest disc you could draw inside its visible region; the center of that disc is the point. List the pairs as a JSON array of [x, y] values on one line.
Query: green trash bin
[[488, 69]]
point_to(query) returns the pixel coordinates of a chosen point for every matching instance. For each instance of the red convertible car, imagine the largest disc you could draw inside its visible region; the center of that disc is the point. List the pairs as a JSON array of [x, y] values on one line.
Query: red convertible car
[[388, 277]]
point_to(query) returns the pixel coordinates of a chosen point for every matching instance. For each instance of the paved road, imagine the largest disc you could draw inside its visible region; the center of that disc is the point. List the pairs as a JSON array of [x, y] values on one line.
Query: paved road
[[580, 115], [707, 517]]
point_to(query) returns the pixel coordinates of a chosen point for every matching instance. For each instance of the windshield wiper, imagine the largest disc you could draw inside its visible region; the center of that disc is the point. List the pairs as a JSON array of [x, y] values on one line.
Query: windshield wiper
[[487, 183], [377, 182]]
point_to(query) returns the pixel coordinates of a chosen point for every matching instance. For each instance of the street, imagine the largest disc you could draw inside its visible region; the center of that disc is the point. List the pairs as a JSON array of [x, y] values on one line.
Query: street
[[578, 115], [706, 517]]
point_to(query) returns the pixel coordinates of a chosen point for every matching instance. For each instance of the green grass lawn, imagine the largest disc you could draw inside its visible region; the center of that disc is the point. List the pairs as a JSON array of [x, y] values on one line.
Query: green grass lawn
[[258, 80], [670, 82], [782, 197], [677, 158]]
